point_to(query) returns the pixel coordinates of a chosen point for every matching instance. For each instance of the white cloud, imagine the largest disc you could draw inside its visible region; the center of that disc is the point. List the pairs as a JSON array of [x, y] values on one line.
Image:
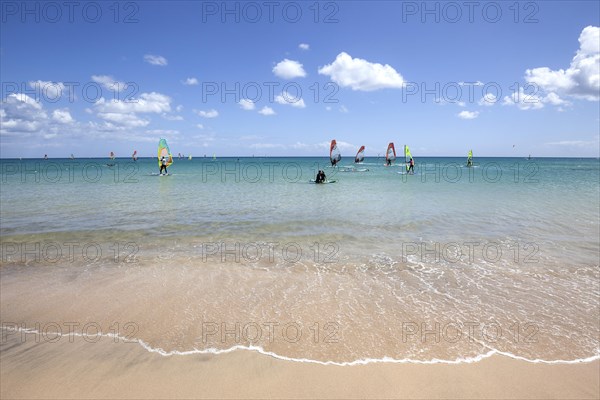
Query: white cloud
[[582, 78], [145, 103], [475, 83], [109, 83], [554, 99], [289, 69], [200, 126], [360, 74], [190, 81], [48, 90], [121, 114], [286, 98], [267, 111], [304, 46], [20, 115], [524, 101], [488, 100], [247, 104], [170, 117], [62, 116], [468, 114], [533, 101], [155, 60], [129, 120], [212, 113]]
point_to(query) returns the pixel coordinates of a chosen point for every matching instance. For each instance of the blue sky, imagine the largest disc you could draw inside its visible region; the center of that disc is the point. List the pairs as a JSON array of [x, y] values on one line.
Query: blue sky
[[106, 76]]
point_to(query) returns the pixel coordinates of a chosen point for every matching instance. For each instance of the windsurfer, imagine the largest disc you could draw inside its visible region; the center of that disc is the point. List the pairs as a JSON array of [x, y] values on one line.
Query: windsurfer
[[411, 166], [163, 165], [320, 177]]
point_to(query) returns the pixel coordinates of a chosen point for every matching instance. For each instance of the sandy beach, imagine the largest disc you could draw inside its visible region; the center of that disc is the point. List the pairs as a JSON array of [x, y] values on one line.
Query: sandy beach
[[105, 369]]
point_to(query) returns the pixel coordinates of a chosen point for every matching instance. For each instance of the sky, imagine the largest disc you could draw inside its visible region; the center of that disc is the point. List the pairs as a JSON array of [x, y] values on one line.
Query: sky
[[284, 78]]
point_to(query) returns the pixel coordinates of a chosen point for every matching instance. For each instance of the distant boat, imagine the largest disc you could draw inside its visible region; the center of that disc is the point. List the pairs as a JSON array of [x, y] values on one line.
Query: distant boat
[[334, 153], [134, 155], [390, 154], [470, 159], [360, 155]]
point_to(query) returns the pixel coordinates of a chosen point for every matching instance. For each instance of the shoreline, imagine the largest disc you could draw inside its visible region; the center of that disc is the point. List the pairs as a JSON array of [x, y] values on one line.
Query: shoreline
[[80, 369]]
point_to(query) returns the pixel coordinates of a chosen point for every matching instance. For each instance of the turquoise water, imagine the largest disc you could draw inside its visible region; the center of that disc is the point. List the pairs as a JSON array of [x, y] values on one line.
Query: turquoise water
[[510, 240]]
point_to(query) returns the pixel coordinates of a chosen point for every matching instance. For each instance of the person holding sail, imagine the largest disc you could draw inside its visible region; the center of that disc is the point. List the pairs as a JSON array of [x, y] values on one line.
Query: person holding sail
[[411, 166], [163, 165]]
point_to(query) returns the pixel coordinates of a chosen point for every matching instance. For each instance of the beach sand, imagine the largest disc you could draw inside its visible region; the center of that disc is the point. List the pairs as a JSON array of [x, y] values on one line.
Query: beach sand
[[74, 368]]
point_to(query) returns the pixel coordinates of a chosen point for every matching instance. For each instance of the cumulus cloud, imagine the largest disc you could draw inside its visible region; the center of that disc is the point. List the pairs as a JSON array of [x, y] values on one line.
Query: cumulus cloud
[[48, 90], [289, 69], [359, 74], [109, 83], [212, 113], [286, 98], [121, 120], [62, 116], [146, 103], [22, 115], [121, 114], [488, 100], [304, 46], [155, 60], [468, 114], [266, 111], [533, 101], [582, 78], [191, 81], [246, 104]]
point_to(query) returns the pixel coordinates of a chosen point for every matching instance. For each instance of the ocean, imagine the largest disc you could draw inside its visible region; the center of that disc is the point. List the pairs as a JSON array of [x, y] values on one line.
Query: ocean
[[451, 264]]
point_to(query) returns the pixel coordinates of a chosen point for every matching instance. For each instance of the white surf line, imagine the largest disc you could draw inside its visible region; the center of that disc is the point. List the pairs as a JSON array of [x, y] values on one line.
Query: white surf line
[[362, 361]]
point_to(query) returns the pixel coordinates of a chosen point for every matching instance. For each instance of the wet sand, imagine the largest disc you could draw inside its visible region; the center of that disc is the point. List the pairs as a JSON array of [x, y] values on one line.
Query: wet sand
[[74, 368]]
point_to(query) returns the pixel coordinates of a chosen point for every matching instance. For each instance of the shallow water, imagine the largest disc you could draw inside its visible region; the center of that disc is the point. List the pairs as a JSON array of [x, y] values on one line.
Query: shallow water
[[447, 264]]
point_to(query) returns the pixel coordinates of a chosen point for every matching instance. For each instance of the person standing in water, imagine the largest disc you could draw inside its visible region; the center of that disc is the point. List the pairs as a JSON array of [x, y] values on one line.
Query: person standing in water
[[163, 165], [411, 167], [320, 177]]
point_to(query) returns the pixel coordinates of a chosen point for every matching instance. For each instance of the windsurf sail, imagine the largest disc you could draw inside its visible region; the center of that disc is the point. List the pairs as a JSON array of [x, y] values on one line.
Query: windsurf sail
[[134, 155], [470, 158], [360, 156], [112, 155], [190, 157], [334, 153], [390, 154], [163, 151], [407, 156]]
